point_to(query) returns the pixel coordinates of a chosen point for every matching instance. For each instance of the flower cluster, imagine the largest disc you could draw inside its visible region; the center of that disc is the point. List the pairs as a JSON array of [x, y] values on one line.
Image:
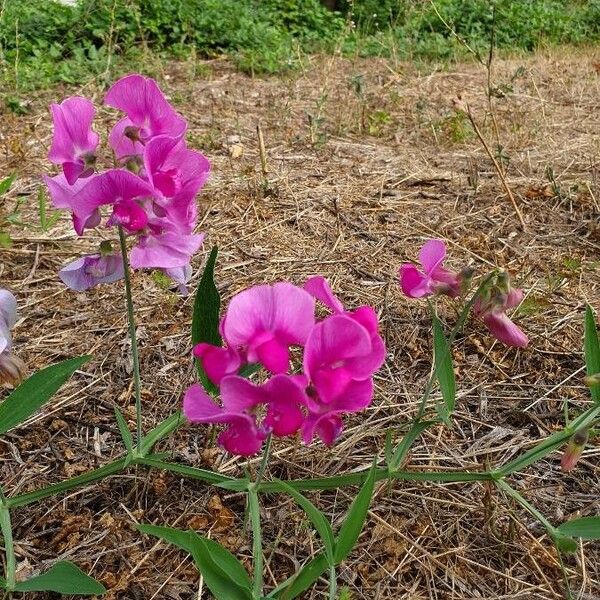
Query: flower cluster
[[12, 368], [151, 194], [490, 306], [341, 353]]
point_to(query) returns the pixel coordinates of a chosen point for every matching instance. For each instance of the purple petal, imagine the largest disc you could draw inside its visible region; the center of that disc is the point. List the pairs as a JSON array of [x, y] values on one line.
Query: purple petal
[[319, 288], [130, 215], [240, 395], [146, 107], [273, 354], [199, 407], [8, 318], [242, 437], [166, 251], [73, 135], [89, 271], [285, 397], [432, 255]]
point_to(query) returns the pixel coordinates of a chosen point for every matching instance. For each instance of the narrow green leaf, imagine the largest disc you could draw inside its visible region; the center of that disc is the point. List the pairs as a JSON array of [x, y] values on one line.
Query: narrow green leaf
[[565, 543], [181, 539], [587, 528], [192, 472], [36, 391], [302, 580], [224, 575], [124, 430], [162, 430], [6, 183], [444, 370], [417, 428], [317, 518], [205, 321], [235, 485], [64, 578], [355, 519], [592, 350]]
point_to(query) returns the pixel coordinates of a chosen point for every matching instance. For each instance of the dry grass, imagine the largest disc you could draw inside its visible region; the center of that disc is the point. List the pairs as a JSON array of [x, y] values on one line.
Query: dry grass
[[354, 186]]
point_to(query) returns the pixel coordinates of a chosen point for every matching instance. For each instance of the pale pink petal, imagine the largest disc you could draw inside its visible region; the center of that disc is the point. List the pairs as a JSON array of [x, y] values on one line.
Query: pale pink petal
[[123, 146], [513, 298], [432, 255], [319, 288]]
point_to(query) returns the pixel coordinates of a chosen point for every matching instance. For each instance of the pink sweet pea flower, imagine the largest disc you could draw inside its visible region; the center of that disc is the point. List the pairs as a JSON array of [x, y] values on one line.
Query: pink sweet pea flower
[[282, 397], [89, 271], [492, 311], [173, 170], [218, 362], [165, 250], [265, 320], [339, 360], [148, 114], [12, 368], [74, 143], [319, 288], [434, 279]]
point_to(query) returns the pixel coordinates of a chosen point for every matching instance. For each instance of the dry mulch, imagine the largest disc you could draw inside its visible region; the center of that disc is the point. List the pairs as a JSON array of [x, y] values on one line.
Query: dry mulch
[[366, 159]]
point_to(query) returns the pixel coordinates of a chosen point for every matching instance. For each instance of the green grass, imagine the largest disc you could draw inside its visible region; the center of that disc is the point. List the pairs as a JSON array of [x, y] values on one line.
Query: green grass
[[43, 42]]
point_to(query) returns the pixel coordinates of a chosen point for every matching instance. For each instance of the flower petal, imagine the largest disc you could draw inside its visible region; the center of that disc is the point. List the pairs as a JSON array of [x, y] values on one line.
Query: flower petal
[[432, 255], [503, 329], [319, 288], [166, 250], [413, 283], [217, 362]]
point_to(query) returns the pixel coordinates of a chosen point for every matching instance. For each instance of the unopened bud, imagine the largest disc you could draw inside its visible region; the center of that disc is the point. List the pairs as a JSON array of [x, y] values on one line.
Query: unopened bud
[[12, 369], [134, 164], [465, 278], [574, 450], [592, 380], [503, 281]]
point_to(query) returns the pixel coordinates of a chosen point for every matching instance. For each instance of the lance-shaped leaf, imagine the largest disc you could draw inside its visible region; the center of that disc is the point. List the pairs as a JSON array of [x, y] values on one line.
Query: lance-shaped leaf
[[587, 528], [592, 350], [205, 321], [63, 578], [36, 391], [444, 370]]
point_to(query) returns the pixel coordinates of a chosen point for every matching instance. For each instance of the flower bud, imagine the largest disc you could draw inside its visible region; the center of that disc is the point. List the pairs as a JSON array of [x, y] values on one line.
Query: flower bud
[[592, 380], [133, 133], [106, 248], [574, 450], [12, 369]]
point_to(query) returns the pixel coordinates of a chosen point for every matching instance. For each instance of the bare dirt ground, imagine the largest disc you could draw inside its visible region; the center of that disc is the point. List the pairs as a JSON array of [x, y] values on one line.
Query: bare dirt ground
[[366, 159]]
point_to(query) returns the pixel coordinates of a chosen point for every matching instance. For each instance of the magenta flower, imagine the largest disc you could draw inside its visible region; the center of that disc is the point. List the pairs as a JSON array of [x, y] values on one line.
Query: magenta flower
[[164, 250], [260, 326], [89, 271], [173, 170], [74, 143], [281, 396], [434, 278], [12, 368], [492, 311], [148, 114], [339, 360]]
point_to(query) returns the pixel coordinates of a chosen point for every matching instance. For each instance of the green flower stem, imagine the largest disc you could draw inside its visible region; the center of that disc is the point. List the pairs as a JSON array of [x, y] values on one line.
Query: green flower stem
[[534, 512], [134, 347], [9, 547], [332, 583], [254, 506]]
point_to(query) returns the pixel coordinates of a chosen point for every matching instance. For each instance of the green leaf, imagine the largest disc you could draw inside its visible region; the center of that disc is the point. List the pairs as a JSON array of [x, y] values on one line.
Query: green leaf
[[223, 573], [205, 321], [592, 350], [64, 578], [181, 539], [6, 183], [417, 428], [162, 430], [355, 519], [5, 239], [35, 391], [317, 518], [565, 544], [125, 433], [302, 580], [444, 370], [587, 528], [192, 472]]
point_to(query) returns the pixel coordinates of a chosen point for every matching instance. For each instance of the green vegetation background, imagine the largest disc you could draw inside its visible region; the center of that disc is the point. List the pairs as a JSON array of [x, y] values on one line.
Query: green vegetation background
[[43, 42]]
